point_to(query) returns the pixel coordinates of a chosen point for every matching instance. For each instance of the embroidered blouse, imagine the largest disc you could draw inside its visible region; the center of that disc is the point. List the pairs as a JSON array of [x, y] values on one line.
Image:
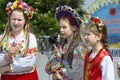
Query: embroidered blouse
[[22, 63], [77, 63]]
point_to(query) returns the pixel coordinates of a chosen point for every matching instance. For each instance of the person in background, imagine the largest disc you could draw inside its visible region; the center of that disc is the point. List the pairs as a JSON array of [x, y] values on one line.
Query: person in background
[[18, 46], [98, 64], [72, 49], [118, 67]]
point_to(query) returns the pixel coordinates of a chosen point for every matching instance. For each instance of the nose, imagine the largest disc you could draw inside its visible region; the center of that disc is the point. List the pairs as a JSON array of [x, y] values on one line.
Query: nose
[[16, 21], [85, 37], [61, 30]]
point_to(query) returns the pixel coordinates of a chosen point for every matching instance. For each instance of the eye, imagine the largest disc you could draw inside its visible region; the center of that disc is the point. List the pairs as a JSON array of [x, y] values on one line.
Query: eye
[[87, 34], [19, 19], [63, 27], [13, 19]]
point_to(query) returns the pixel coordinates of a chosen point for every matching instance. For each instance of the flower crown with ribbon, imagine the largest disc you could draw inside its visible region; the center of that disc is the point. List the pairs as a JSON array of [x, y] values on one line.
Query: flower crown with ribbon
[[66, 11], [99, 24], [28, 10]]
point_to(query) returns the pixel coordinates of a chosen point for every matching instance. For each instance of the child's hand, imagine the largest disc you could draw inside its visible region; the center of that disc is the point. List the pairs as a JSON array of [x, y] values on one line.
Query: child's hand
[[57, 75], [13, 50], [58, 51], [4, 69], [8, 58]]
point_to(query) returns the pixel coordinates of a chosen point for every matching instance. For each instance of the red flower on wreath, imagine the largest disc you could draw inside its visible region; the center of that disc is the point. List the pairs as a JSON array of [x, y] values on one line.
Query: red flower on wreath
[[95, 20]]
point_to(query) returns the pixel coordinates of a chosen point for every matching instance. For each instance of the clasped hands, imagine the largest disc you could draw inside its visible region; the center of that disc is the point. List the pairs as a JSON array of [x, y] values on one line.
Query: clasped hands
[[58, 52], [8, 59], [11, 52]]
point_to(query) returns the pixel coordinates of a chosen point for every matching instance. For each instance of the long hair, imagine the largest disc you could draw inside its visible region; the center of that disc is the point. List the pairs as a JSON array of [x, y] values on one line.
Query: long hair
[[8, 29], [77, 37]]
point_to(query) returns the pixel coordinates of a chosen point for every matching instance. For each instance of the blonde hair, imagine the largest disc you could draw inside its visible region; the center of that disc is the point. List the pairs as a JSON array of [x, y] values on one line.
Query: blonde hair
[[8, 29], [94, 28], [77, 37]]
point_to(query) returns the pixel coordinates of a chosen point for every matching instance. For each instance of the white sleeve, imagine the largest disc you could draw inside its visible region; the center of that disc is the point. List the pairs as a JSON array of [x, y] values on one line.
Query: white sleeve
[[2, 56], [107, 69], [2, 59], [25, 64]]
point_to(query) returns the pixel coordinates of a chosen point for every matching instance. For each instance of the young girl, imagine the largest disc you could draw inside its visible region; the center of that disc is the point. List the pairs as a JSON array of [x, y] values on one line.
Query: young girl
[[72, 48], [18, 47], [98, 63]]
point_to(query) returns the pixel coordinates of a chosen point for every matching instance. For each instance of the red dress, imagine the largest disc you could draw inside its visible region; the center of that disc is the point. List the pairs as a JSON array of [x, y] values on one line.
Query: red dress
[[28, 76], [92, 69]]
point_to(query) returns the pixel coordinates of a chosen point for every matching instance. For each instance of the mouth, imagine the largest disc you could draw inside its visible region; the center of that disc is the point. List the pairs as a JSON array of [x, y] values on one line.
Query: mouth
[[16, 26], [62, 34]]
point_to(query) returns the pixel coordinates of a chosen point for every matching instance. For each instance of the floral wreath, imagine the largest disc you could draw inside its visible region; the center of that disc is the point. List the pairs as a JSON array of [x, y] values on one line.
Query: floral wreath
[[28, 10], [66, 11], [99, 24]]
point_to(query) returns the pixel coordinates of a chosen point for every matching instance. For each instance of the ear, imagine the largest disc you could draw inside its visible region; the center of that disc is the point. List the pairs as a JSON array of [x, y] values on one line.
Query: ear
[[74, 28], [99, 36]]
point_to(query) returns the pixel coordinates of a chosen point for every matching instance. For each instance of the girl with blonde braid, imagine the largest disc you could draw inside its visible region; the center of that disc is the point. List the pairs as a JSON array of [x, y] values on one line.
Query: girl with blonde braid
[[71, 52], [18, 46]]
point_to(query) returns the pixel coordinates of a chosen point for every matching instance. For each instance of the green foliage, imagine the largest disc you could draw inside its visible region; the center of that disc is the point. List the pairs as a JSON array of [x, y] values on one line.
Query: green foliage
[[43, 21], [3, 16]]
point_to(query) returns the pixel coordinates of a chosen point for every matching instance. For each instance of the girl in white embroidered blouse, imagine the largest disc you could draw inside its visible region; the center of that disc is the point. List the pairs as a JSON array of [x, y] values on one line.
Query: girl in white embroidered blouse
[[18, 46]]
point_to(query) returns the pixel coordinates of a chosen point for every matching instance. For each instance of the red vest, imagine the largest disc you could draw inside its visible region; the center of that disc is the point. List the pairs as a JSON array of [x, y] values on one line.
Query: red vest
[[92, 69]]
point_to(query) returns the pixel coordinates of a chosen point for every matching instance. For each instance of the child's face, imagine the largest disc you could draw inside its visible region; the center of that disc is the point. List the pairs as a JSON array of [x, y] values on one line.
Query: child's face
[[17, 21], [91, 38], [65, 29]]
